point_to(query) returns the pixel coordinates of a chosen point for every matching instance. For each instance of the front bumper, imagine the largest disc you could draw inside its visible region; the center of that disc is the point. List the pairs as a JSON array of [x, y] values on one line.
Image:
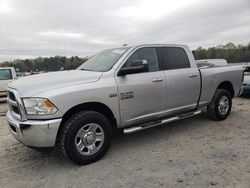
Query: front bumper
[[34, 133]]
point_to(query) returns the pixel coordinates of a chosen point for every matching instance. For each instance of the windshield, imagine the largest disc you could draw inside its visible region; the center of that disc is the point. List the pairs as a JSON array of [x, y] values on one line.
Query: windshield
[[5, 74], [104, 60]]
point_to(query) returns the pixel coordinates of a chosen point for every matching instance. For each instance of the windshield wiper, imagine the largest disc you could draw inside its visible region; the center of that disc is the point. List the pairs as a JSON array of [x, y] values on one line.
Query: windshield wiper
[[88, 70], [85, 69]]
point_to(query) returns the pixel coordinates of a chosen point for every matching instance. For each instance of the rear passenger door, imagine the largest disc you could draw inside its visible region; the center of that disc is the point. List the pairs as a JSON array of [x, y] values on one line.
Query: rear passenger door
[[182, 80]]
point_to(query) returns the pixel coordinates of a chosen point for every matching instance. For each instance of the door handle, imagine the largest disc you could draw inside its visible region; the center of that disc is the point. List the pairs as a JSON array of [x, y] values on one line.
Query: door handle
[[157, 80], [192, 75]]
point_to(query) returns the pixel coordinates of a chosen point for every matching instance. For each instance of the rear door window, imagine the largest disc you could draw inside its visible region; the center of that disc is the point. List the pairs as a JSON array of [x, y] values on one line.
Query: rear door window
[[173, 58]]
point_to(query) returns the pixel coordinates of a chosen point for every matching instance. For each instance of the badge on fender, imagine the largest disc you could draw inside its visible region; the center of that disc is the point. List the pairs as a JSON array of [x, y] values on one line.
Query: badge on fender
[[127, 95]]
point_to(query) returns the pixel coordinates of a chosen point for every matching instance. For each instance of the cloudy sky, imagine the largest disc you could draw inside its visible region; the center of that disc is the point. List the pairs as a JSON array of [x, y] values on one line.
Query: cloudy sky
[[32, 28]]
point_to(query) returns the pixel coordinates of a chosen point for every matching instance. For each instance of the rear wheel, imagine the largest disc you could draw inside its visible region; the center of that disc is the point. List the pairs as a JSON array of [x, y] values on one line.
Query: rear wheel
[[85, 137], [220, 106]]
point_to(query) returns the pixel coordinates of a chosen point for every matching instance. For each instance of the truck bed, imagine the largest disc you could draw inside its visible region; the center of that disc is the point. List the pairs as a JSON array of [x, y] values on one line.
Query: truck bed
[[213, 76]]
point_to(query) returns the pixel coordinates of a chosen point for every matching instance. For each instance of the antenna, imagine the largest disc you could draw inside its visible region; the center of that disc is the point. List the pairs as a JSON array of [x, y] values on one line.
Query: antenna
[[124, 44], [64, 49]]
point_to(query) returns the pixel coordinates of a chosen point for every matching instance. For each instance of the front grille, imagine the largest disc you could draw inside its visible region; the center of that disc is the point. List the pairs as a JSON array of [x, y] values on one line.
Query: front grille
[[13, 104], [12, 96], [15, 109]]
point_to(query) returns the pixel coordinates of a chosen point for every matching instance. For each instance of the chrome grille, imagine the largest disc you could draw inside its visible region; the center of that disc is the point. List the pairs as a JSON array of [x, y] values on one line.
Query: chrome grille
[[15, 104], [11, 96]]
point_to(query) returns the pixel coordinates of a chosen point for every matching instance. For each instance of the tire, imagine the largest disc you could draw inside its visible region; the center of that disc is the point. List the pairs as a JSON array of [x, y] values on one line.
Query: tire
[[217, 110], [85, 137]]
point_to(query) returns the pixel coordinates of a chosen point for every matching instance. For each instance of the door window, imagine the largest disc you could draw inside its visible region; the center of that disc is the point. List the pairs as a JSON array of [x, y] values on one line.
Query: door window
[[149, 54], [173, 58]]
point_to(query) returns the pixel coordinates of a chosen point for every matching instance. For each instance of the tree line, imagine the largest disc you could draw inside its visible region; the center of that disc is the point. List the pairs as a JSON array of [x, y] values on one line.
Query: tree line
[[46, 63], [230, 52]]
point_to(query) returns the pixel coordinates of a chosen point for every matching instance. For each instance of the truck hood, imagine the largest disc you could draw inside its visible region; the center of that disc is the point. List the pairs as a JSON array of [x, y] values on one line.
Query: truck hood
[[35, 84]]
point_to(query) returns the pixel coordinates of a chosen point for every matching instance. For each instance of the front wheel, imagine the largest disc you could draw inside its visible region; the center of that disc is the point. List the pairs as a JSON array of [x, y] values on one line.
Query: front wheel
[[220, 106], [85, 137]]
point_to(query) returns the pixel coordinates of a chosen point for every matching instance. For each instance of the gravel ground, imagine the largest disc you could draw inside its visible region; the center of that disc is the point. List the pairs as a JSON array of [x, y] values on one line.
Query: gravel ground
[[195, 152]]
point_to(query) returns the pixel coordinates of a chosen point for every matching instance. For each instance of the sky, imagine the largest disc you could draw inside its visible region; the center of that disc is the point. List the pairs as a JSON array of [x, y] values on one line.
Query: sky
[[33, 28]]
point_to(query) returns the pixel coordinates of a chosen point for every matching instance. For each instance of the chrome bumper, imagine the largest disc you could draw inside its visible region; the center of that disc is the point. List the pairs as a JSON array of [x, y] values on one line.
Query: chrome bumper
[[35, 133]]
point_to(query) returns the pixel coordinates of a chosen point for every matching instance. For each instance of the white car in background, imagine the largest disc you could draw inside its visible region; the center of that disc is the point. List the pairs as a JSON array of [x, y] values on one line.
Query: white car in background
[[7, 74]]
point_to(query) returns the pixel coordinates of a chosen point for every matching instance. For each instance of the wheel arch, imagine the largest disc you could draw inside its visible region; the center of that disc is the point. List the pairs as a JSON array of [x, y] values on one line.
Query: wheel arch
[[91, 106], [227, 85]]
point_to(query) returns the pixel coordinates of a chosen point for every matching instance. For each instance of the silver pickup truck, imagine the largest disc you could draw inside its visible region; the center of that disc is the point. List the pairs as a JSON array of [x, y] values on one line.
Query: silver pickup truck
[[128, 88]]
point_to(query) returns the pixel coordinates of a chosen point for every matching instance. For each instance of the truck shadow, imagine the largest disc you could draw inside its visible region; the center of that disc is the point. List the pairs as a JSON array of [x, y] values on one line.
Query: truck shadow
[[164, 131], [245, 96]]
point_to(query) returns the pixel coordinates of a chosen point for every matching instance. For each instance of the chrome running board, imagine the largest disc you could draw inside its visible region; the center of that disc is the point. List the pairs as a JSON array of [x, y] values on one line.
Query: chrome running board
[[164, 121]]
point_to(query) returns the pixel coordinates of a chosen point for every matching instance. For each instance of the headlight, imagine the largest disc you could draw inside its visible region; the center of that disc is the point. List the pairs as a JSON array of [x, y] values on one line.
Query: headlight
[[38, 106]]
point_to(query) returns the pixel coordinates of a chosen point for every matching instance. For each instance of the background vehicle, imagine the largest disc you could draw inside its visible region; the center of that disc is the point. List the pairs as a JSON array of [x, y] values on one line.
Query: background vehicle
[[246, 85], [131, 88], [7, 74]]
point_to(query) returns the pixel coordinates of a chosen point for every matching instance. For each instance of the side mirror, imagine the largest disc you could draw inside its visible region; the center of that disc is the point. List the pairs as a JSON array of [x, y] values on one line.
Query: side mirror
[[136, 66]]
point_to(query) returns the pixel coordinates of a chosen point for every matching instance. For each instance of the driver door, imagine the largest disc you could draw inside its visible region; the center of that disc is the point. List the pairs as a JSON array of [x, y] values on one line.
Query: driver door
[[142, 96]]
